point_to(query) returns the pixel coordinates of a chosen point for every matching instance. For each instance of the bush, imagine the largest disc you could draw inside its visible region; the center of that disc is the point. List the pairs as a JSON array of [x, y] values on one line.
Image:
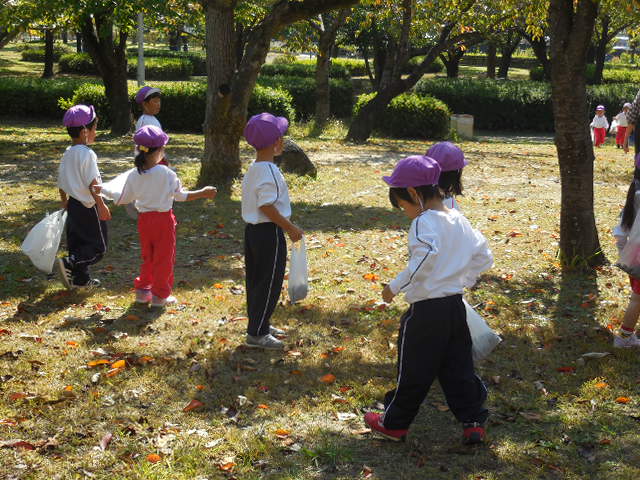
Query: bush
[[183, 104], [516, 105], [78, 63], [36, 54], [536, 74], [517, 61], [411, 116], [611, 74], [436, 67], [356, 66], [162, 68], [303, 92], [35, 97], [197, 59], [303, 69]]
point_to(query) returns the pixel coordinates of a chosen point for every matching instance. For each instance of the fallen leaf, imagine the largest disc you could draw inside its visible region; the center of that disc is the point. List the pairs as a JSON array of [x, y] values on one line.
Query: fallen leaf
[[17, 444], [263, 406], [601, 385], [200, 387], [17, 396], [338, 349], [71, 343], [95, 363], [131, 317], [328, 378], [227, 467], [114, 371], [367, 472], [4, 331], [119, 364], [154, 458], [106, 440], [623, 400], [219, 286], [193, 404], [282, 433], [566, 369]]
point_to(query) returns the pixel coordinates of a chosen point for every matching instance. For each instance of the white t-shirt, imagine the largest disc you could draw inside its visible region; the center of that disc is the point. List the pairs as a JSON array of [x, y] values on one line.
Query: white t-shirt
[[621, 118], [263, 184], [78, 168], [147, 120], [450, 202], [600, 122], [153, 190], [446, 255]]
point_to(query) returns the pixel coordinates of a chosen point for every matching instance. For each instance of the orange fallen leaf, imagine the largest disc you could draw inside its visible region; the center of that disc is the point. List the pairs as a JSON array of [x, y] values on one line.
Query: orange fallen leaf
[[119, 364], [295, 372], [263, 406], [131, 317], [328, 378], [154, 458], [372, 277], [199, 387], [218, 286], [68, 388], [601, 385], [566, 369], [193, 404], [623, 400], [282, 433], [345, 388], [17, 396], [226, 467], [514, 233], [71, 343], [114, 371], [4, 331], [338, 349]]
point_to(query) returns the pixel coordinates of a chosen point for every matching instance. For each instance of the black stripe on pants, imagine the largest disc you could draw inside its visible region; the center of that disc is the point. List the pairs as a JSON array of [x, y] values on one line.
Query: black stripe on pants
[[265, 257], [434, 342], [86, 239]]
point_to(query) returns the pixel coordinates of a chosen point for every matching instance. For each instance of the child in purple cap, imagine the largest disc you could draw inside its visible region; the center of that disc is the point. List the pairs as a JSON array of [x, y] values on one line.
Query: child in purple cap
[[266, 209], [150, 100], [445, 255], [623, 233], [600, 125], [451, 160], [87, 213], [153, 188]]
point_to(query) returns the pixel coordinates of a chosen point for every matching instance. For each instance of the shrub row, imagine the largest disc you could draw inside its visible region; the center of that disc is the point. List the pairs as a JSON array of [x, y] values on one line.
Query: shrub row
[[609, 75], [480, 59], [197, 59], [303, 92], [411, 116], [36, 54], [183, 104], [515, 105], [436, 67], [155, 68], [303, 69]]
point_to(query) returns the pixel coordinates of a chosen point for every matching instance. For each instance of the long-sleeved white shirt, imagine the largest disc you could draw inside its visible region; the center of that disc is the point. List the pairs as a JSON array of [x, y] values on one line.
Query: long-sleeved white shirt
[[78, 168], [621, 118], [446, 255], [264, 184], [600, 122], [620, 232], [153, 190]]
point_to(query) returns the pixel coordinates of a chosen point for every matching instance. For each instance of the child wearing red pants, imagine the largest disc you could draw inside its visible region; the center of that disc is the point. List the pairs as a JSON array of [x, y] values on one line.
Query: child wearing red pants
[[153, 187], [622, 125], [600, 125]]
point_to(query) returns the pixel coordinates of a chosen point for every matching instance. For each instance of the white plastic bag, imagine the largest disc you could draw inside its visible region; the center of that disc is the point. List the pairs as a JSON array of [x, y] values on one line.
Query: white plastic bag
[[483, 338], [613, 129], [42, 242], [298, 274], [630, 256]]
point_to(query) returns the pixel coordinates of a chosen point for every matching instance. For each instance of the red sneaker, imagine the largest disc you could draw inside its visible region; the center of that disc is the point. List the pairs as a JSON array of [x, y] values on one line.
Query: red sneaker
[[374, 420], [473, 433]]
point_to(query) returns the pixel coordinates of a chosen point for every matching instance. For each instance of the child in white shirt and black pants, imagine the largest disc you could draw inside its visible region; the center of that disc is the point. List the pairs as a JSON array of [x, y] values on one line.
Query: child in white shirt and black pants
[[87, 213], [445, 255], [266, 209]]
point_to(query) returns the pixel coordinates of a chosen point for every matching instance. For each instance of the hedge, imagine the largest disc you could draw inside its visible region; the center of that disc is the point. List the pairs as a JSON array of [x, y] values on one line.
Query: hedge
[[609, 75], [197, 59], [356, 66], [303, 69], [162, 68], [183, 104], [303, 92], [516, 105], [78, 63], [411, 116], [36, 54], [435, 67], [480, 59], [35, 97]]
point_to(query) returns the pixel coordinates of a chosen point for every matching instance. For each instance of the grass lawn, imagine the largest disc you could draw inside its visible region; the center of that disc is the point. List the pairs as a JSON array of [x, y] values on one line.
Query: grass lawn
[[298, 415]]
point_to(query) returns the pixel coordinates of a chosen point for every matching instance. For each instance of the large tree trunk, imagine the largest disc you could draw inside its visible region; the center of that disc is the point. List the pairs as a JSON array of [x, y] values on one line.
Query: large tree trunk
[[48, 54], [507, 54], [451, 60], [110, 58], [539, 46], [571, 34], [601, 49], [491, 60]]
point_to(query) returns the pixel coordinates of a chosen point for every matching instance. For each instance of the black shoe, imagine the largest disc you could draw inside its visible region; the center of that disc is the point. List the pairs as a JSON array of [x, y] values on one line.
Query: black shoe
[[473, 433], [91, 284], [64, 268]]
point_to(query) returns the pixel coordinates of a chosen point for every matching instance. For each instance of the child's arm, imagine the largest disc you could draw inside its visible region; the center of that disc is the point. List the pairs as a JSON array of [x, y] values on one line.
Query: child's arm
[[103, 210], [627, 134], [205, 192], [276, 217], [63, 198], [481, 260], [621, 235]]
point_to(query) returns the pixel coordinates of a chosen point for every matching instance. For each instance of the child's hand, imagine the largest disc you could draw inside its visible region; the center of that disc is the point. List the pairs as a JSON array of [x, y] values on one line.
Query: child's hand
[[294, 233], [97, 189], [387, 294], [103, 212], [209, 192]]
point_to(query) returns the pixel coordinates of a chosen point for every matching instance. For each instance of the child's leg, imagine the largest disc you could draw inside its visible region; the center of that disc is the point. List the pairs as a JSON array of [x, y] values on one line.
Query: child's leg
[[86, 239], [601, 135], [265, 259], [146, 231], [620, 133], [633, 309], [422, 342], [464, 391], [164, 253]]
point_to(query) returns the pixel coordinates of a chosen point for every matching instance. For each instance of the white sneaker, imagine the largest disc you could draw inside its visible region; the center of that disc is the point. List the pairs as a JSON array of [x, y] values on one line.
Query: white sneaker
[[161, 302], [268, 342], [629, 342], [277, 331], [143, 296], [64, 269], [90, 285]]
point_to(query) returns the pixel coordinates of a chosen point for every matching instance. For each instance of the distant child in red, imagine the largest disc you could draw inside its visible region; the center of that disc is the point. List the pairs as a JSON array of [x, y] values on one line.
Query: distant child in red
[[600, 125], [622, 124]]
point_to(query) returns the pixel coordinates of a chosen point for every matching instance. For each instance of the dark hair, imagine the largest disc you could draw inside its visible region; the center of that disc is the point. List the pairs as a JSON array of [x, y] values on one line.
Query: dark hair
[[74, 132], [141, 157], [451, 182], [629, 211], [153, 95], [426, 192]]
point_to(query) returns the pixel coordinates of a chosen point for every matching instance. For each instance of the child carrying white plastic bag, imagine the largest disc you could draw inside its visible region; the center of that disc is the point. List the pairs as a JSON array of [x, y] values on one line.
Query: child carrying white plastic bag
[[42, 242], [298, 273], [483, 338]]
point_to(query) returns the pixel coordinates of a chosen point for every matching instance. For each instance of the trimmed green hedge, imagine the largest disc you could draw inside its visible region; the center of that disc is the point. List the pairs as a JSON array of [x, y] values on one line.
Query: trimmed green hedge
[[183, 104], [35, 97], [516, 105], [480, 59], [436, 67], [36, 54], [356, 66], [411, 116], [78, 63], [197, 59], [609, 75], [303, 69], [155, 68], [303, 92]]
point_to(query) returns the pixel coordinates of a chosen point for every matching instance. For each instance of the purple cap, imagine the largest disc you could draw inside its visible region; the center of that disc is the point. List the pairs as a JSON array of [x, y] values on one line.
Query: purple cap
[[150, 136], [600, 107], [448, 156], [144, 92], [79, 116], [414, 171], [264, 129], [637, 161]]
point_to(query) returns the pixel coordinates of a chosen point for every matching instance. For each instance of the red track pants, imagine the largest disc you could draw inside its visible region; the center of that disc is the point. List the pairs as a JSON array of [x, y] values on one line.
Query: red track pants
[[620, 135], [158, 242], [600, 135]]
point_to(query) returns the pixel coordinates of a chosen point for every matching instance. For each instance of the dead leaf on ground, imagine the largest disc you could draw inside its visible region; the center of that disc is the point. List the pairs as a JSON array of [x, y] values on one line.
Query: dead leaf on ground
[[193, 404]]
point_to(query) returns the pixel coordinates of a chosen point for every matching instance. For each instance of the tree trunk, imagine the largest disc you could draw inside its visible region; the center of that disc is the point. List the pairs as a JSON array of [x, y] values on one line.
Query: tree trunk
[[507, 54], [65, 36], [491, 60], [451, 60], [78, 42], [6, 36], [110, 58], [539, 46], [48, 54], [174, 40], [601, 50], [571, 34]]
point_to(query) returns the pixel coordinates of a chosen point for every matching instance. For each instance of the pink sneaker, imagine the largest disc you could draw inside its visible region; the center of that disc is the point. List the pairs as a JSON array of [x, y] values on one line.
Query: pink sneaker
[[374, 421]]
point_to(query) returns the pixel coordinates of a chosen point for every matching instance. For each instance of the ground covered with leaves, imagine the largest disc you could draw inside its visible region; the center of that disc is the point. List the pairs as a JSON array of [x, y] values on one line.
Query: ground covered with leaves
[[93, 386]]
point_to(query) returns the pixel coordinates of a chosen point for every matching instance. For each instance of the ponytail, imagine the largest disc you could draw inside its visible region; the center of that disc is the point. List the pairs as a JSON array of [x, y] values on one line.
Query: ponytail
[[629, 211], [141, 158]]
